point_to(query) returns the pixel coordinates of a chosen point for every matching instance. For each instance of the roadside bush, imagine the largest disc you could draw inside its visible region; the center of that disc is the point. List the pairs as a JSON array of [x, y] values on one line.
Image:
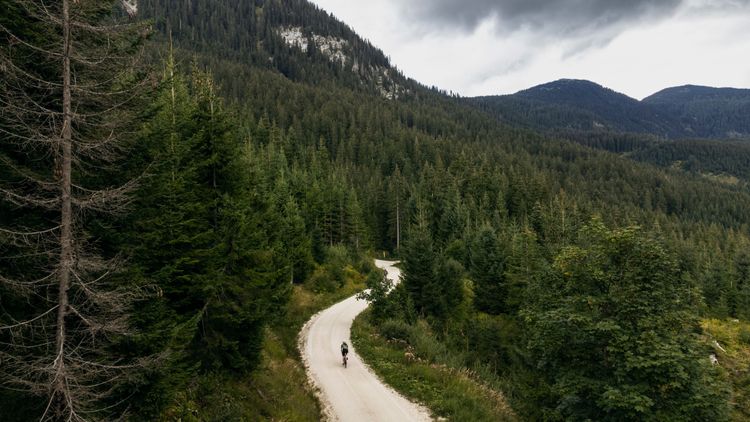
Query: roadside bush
[[378, 286], [394, 329], [322, 281], [427, 345], [365, 265], [494, 340], [744, 336], [337, 258]]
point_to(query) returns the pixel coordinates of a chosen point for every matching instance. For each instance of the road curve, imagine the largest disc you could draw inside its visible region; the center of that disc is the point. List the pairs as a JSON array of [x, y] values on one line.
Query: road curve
[[353, 393]]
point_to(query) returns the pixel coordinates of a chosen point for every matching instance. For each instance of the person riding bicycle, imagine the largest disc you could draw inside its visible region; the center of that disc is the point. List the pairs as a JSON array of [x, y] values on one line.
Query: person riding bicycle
[[344, 350]]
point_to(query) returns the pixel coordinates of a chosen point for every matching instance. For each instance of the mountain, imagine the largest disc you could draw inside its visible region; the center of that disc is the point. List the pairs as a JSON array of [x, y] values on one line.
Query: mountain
[[696, 93], [293, 37], [674, 113], [707, 112]]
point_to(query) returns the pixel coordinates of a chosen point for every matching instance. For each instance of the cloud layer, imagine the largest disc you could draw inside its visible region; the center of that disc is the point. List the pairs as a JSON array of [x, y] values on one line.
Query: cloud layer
[[559, 17], [486, 47]]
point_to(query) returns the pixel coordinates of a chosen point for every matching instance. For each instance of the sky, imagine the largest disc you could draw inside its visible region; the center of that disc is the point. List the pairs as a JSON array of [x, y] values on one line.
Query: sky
[[493, 47]]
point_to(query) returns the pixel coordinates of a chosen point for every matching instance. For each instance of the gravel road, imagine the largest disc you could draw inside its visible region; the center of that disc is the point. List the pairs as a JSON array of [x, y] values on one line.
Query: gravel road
[[354, 393]]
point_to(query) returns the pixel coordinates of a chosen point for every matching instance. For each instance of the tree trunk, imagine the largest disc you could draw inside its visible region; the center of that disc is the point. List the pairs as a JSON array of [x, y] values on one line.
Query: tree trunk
[[66, 215], [398, 224]]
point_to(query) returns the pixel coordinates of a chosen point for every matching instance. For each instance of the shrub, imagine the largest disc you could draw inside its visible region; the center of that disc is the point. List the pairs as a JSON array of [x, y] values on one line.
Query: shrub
[[394, 329], [744, 335], [337, 258], [322, 281]]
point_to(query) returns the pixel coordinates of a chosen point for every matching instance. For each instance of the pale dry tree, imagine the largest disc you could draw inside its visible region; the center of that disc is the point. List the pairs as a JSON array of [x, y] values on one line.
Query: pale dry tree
[[68, 83]]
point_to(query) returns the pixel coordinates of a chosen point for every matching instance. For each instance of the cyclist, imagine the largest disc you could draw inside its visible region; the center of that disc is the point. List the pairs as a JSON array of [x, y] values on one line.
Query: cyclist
[[344, 351]]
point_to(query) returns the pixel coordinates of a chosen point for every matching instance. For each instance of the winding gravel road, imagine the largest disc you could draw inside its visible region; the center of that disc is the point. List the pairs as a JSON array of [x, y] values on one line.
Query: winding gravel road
[[353, 393]]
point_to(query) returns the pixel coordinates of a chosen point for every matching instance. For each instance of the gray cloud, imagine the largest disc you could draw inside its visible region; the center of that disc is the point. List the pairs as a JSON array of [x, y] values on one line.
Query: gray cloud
[[555, 17]]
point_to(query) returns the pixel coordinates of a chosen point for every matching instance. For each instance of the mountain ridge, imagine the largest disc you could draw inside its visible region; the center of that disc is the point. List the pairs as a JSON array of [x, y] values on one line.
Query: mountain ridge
[[688, 111], [691, 91]]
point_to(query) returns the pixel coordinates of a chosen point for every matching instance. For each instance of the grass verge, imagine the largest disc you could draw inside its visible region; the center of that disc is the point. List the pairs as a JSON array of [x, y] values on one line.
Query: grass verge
[[451, 392], [732, 350]]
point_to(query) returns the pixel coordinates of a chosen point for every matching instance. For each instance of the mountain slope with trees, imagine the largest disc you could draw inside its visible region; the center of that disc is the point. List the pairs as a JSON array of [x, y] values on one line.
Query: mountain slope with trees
[[673, 113], [707, 112]]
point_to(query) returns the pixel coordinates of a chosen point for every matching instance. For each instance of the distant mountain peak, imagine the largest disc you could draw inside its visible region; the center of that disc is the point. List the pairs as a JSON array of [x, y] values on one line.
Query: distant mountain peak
[[686, 111], [688, 93], [565, 84]]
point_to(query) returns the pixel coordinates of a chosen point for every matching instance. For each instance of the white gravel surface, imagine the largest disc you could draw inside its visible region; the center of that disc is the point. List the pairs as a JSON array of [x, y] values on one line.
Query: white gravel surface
[[354, 393]]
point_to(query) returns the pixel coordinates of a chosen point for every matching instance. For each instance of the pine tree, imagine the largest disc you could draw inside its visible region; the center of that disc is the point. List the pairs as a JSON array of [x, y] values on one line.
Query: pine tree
[[419, 264], [487, 269]]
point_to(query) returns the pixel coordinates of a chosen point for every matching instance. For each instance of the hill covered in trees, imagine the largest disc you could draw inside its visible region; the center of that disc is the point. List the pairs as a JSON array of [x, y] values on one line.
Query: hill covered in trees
[[271, 145], [707, 112], [680, 112]]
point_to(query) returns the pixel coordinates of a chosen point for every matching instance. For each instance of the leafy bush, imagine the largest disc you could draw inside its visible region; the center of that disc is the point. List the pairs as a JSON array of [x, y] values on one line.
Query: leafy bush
[[494, 339], [337, 258], [394, 329], [378, 287], [322, 280], [744, 335], [365, 265], [619, 303]]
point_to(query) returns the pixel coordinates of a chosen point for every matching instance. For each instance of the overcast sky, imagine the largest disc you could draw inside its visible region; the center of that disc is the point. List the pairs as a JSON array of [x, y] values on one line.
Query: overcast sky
[[487, 47]]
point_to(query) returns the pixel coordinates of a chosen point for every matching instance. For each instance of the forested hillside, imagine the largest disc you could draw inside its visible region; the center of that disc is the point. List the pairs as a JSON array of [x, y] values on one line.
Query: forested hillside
[[674, 113], [707, 112], [723, 161], [269, 147]]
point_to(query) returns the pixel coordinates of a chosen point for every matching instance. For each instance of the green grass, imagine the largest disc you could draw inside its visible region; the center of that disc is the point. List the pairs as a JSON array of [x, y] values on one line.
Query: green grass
[[734, 337], [449, 391], [278, 390]]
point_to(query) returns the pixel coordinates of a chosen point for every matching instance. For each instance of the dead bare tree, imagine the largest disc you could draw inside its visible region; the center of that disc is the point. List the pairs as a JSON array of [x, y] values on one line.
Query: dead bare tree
[[68, 79]]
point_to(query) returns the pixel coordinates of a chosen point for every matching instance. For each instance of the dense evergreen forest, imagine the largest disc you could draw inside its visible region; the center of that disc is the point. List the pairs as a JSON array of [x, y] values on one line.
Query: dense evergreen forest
[[217, 164]]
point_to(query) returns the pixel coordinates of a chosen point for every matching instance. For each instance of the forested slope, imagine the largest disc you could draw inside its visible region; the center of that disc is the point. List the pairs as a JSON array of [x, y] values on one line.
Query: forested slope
[[707, 112], [673, 113], [425, 160]]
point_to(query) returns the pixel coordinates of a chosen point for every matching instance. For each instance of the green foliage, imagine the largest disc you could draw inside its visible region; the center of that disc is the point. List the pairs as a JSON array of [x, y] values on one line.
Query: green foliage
[[433, 282], [613, 326], [730, 342], [419, 367], [321, 280], [333, 273], [395, 329], [379, 286], [448, 286], [277, 389], [337, 258], [495, 340], [487, 270], [419, 265], [208, 236], [744, 336]]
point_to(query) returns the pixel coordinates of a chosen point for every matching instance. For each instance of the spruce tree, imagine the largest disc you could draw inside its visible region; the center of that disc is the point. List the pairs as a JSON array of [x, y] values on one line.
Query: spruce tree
[[419, 264], [487, 269]]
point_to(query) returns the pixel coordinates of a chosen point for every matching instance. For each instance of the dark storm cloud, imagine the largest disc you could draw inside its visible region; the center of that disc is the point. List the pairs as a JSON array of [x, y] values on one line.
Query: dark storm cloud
[[553, 16]]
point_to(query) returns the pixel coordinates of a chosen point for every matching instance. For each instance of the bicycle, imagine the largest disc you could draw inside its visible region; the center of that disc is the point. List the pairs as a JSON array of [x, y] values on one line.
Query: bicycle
[[346, 359]]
